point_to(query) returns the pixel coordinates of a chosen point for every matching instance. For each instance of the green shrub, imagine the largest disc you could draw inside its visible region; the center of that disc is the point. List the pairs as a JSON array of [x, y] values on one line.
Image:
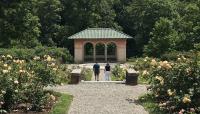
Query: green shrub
[[143, 65], [86, 74], [118, 74], [140, 63], [60, 54], [64, 73], [172, 56]]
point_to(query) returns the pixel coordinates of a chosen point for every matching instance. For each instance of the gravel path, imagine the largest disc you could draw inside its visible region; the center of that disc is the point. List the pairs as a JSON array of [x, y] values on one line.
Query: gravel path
[[104, 98]]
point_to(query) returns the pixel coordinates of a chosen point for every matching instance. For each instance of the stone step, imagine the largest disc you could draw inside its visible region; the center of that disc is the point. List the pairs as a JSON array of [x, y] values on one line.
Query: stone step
[[120, 82]]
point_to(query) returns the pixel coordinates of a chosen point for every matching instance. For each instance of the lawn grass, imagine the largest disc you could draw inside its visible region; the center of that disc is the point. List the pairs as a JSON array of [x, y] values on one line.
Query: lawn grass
[[148, 102], [63, 104]]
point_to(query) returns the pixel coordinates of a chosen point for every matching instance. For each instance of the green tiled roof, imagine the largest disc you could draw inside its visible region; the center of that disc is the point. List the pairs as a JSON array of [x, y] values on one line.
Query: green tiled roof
[[100, 33]]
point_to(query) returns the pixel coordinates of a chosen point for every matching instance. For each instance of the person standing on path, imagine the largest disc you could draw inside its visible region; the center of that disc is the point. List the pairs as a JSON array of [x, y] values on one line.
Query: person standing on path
[[96, 69], [107, 72]]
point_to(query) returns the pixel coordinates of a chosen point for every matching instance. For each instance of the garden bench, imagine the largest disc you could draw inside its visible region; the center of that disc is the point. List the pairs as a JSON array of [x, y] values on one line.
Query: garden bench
[[75, 76], [131, 77]]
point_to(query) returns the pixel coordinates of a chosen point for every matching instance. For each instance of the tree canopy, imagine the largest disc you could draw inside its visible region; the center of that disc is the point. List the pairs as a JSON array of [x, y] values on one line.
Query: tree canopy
[[156, 25]]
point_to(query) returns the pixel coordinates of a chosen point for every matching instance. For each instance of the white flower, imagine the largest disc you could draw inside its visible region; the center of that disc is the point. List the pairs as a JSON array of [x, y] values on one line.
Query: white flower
[[22, 71], [53, 97], [3, 56], [16, 91], [36, 58], [9, 56], [186, 99], [9, 68], [170, 92], [160, 78], [183, 57], [145, 72], [16, 82], [55, 69], [48, 58], [153, 62], [5, 65], [16, 61], [21, 61], [45, 56], [3, 92], [53, 64], [5, 71], [165, 64]]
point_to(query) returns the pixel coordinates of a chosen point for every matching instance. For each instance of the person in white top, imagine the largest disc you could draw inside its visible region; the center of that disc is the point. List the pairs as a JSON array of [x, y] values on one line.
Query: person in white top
[[107, 72]]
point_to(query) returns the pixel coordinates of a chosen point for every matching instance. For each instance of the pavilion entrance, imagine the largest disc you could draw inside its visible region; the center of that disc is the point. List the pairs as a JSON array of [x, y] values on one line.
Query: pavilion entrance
[[100, 55], [100, 52]]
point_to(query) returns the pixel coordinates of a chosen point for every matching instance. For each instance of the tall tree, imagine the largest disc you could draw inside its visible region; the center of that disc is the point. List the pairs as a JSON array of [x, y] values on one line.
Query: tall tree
[[88, 13], [164, 38], [50, 19], [18, 26], [139, 17]]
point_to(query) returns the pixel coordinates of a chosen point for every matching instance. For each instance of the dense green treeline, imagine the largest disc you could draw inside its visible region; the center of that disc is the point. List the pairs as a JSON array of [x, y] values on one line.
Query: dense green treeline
[[158, 26]]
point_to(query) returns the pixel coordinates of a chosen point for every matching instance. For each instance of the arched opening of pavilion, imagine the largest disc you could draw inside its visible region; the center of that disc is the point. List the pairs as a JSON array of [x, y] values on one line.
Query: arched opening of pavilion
[[111, 52], [88, 52]]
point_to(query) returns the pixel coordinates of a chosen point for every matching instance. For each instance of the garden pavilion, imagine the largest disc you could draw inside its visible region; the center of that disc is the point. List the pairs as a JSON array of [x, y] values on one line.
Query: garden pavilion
[[100, 45]]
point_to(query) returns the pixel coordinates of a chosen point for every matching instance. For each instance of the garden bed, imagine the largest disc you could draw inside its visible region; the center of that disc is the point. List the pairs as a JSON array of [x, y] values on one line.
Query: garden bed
[[58, 104], [148, 102], [174, 85], [22, 83]]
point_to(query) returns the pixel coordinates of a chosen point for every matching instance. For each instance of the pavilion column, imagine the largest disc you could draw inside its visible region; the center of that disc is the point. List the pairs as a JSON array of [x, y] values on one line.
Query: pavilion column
[[106, 53], [121, 51], [94, 52], [78, 51]]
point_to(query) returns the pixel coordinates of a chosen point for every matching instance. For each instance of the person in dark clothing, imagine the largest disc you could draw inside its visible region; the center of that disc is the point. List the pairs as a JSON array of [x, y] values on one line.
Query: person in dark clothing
[[96, 69], [107, 72]]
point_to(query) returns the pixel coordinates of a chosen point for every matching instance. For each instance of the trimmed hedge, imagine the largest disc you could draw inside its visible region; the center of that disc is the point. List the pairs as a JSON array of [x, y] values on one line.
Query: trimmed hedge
[[61, 54]]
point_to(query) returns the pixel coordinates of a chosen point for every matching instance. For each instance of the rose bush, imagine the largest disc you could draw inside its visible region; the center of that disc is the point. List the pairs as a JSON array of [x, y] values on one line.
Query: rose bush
[[176, 85], [23, 82], [144, 66], [118, 73]]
